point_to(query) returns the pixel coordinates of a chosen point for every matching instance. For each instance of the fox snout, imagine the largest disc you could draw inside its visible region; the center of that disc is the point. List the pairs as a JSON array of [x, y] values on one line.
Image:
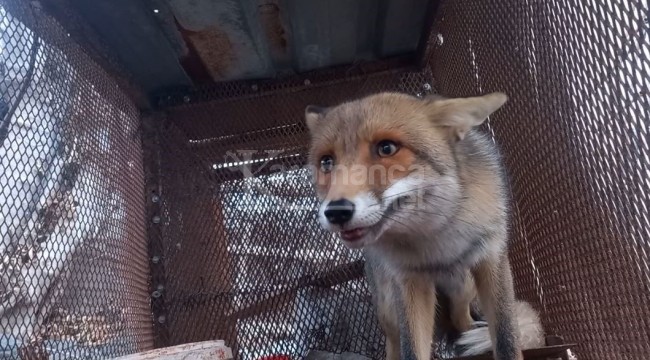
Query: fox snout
[[339, 212], [353, 217]]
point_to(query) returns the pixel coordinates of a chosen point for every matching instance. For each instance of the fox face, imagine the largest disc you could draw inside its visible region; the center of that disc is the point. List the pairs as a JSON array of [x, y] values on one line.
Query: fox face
[[386, 164]]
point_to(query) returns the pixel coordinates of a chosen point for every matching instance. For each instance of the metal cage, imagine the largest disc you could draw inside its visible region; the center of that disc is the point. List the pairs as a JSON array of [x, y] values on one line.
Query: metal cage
[[125, 227]]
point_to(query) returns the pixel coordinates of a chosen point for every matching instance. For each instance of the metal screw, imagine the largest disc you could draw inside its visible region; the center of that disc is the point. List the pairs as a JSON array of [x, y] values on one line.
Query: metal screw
[[426, 87], [155, 259], [440, 39], [162, 319], [156, 219], [186, 99], [307, 82], [156, 294], [155, 198], [161, 287]]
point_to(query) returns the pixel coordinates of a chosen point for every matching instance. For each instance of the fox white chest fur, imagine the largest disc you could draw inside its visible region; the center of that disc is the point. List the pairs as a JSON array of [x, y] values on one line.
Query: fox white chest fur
[[408, 182]]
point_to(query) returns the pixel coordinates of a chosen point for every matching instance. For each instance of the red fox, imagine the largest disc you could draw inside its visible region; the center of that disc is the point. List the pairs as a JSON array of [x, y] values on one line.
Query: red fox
[[411, 183]]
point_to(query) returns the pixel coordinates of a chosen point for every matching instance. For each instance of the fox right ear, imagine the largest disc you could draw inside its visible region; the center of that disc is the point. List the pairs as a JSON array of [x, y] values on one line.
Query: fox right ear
[[313, 115], [461, 114]]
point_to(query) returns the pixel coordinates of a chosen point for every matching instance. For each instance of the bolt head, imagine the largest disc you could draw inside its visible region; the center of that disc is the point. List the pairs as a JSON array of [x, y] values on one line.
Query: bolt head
[[440, 39]]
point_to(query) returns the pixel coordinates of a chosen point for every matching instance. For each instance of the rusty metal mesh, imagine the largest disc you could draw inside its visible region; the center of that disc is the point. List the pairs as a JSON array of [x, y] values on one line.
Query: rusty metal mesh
[[243, 256], [73, 266], [246, 261], [235, 249], [575, 135]]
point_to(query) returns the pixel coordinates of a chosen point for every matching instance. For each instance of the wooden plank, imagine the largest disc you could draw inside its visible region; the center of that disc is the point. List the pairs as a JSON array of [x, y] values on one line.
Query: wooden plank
[[212, 350]]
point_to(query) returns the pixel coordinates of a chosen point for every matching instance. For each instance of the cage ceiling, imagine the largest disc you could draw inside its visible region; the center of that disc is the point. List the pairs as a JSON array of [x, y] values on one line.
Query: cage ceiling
[[170, 44]]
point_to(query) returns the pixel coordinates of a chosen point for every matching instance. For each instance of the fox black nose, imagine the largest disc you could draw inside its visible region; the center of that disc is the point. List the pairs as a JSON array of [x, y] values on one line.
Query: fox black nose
[[339, 211]]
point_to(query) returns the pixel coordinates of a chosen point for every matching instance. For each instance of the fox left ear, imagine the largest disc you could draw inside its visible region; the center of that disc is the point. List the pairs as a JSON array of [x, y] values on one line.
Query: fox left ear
[[462, 114], [314, 114]]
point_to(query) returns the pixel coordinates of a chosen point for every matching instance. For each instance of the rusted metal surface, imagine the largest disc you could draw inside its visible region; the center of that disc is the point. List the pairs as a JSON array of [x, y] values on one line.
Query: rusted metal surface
[[202, 42], [275, 31], [236, 252], [572, 135], [73, 268], [220, 36], [575, 176], [157, 290]]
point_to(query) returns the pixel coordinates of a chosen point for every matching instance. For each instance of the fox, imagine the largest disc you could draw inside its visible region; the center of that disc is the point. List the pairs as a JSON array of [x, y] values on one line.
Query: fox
[[414, 185]]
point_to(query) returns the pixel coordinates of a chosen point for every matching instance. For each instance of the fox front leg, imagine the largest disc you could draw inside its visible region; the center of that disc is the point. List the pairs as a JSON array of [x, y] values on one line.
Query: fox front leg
[[385, 298], [493, 278], [417, 310]]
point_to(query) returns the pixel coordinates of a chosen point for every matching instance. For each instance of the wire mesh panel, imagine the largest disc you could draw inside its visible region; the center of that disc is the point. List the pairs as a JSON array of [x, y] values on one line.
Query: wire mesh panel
[[236, 251], [73, 266], [575, 136], [244, 257]]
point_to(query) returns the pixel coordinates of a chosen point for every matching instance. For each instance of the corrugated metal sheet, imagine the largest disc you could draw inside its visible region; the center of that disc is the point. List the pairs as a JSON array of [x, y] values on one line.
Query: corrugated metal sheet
[[177, 43]]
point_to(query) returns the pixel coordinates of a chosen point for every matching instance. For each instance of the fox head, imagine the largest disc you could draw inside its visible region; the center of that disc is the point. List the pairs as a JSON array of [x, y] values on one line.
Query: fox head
[[387, 163]]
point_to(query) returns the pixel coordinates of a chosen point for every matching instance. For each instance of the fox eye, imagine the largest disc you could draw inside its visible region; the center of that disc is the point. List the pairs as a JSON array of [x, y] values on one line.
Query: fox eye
[[387, 148], [326, 163]]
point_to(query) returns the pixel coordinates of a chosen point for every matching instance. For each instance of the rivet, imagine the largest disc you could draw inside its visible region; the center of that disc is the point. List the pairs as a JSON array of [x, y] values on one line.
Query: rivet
[[155, 198], [254, 87], [156, 294], [186, 99], [440, 39], [156, 219], [162, 319], [426, 87], [155, 259], [307, 82]]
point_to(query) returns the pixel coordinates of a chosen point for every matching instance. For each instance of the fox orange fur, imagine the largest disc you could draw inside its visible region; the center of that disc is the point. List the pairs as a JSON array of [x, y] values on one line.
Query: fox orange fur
[[412, 184]]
